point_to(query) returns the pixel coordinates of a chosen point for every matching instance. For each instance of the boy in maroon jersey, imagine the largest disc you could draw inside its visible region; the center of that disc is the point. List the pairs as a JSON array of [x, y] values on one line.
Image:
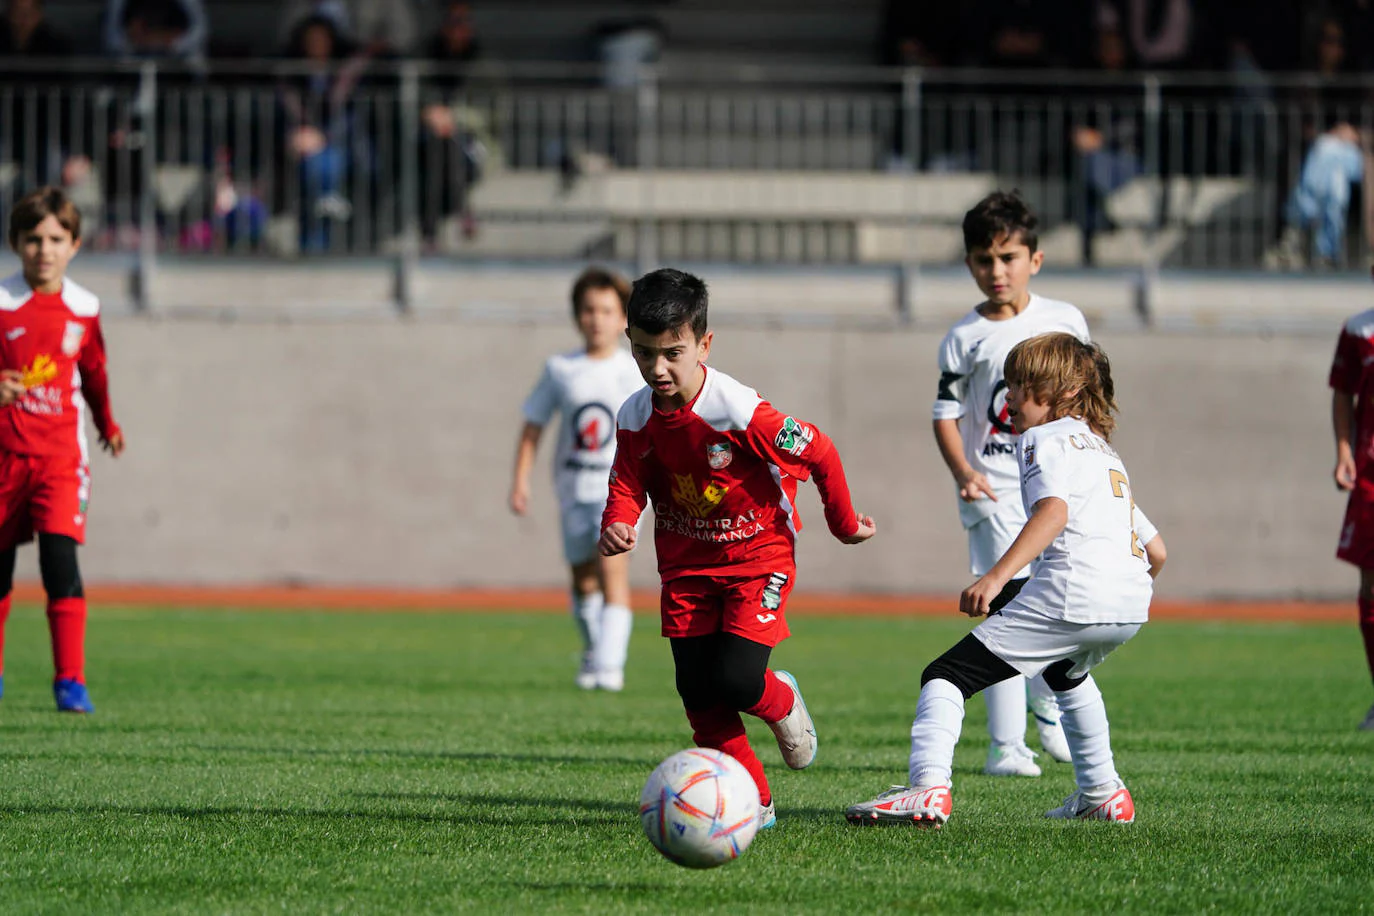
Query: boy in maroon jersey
[[721, 465], [1352, 417], [52, 369]]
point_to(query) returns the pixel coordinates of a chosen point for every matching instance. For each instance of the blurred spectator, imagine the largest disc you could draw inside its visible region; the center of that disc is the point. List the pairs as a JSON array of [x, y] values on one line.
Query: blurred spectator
[[26, 32], [377, 28], [1105, 142], [37, 142], [1339, 159], [452, 149], [156, 28], [1159, 34], [319, 139]]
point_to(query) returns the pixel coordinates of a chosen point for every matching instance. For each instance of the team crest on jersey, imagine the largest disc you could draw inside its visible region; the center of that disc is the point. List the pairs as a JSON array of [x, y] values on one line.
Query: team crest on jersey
[[699, 503], [794, 437], [1029, 452], [71, 338], [719, 456]]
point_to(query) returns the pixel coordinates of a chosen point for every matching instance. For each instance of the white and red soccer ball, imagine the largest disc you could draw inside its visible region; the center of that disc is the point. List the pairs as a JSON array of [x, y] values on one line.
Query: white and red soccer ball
[[700, 808]]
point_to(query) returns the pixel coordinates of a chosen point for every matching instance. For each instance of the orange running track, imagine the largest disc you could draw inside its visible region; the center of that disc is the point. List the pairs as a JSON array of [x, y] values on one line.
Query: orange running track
[[381, 600]]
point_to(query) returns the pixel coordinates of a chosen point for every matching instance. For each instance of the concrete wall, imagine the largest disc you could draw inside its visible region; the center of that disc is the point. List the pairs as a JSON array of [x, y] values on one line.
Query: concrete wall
[[377, 451]]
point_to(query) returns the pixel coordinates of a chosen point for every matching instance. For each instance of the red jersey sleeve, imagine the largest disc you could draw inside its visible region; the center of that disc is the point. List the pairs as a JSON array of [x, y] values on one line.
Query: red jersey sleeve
[[628, 496], [803, 451], [95, 383], [1347, 364]]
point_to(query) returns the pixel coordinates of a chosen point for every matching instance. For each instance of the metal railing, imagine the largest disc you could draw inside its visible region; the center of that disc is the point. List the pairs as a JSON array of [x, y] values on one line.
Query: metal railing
[[743, 164]]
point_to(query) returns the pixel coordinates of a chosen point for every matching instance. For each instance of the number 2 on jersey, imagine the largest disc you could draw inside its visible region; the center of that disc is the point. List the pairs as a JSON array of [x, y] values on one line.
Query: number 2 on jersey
[[1121, 489]]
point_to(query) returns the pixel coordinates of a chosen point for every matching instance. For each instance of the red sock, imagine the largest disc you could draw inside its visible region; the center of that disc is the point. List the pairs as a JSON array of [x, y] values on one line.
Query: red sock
[[776, 701], [4, 617], [1367, 631], [721, 728], [67, 624]]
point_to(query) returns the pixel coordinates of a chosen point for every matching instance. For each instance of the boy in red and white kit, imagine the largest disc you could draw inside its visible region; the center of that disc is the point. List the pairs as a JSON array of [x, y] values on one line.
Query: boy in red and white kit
[[721, 465], [1352, 419], [52, 369]]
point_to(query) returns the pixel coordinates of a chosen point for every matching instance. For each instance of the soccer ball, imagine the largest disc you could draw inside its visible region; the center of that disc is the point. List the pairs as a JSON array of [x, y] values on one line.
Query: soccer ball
[[700, 808]]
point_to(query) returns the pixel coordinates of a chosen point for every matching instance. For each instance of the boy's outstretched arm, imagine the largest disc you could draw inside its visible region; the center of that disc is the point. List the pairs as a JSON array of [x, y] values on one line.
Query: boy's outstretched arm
[[524, 462], [1048, 518], [1343, 425], [972, 484], [1156, 554], [625, 501]]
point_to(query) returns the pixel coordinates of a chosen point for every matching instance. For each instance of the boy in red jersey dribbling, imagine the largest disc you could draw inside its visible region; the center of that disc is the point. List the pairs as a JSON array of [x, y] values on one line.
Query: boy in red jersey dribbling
[[52, 371], [721, 465]]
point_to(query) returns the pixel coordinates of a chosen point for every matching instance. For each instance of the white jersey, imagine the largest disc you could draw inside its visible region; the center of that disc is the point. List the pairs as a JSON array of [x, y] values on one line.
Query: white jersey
[[1095, 571], [587, 393], [972, 390]]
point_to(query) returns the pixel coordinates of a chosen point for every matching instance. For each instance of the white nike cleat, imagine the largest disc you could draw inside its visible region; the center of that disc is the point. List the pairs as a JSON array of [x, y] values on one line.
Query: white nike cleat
[[922, 806], [768, 816], [1011, 760], [614, 681], [1052, 741], [796, 733], [586, 674], [1104, 803], [1368, 724]]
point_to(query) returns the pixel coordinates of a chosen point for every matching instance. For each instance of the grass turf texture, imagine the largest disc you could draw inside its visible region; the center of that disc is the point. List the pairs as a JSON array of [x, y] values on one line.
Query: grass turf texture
[[247, 762]]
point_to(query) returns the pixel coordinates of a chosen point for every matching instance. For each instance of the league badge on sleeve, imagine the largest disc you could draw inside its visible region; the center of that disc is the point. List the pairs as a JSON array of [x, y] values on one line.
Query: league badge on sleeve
[[794, 437], [719, 456], [1029, 452]]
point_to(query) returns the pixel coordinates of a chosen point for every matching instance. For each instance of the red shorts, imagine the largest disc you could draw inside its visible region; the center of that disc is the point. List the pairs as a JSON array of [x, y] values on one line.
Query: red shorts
[[752, 607], [42, 493]]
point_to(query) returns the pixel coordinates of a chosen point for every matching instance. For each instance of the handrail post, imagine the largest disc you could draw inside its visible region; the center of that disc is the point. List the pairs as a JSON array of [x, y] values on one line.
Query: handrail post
[[145, 265], [408, 257], [646, 156]]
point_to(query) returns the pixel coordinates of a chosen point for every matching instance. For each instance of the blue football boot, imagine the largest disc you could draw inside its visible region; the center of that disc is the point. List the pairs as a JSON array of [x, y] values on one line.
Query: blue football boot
[[71, 696]]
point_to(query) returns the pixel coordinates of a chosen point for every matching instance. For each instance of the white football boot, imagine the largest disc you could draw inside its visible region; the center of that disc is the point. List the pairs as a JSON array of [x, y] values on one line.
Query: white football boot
[[1102, 803], [796, 733], [921, 806], [1011, 760]]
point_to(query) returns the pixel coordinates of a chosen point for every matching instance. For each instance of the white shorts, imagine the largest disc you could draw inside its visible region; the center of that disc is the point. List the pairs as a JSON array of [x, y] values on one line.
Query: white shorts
[[581, 531], [1030, 642], [990, 538]]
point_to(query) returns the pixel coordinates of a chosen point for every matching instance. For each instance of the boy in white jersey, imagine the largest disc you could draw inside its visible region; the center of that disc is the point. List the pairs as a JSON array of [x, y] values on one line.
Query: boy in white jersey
[[1089, 593], [978, 443], [587, 387]]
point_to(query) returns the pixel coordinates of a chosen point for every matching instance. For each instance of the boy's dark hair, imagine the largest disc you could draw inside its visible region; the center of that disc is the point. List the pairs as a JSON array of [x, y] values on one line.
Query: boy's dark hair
[[1001, 213], [37, 206], [599, 278], [667, 299]]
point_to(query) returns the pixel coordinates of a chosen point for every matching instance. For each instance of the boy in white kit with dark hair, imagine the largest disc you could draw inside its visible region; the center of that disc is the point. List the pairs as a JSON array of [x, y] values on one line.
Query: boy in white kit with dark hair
[[977, 441], [586, 388], [1090, 591]]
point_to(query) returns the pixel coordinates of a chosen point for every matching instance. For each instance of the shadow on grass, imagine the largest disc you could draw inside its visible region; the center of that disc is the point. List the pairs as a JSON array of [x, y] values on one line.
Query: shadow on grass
[[629, 809], [600, 816], [476, 756]]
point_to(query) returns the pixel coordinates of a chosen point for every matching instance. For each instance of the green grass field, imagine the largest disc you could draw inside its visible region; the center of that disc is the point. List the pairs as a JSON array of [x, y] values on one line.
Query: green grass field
[[256, 762]]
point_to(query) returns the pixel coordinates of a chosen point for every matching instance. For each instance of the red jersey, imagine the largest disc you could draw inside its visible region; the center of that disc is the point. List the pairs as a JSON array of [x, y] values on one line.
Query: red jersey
[[722, 473], [54, 340]]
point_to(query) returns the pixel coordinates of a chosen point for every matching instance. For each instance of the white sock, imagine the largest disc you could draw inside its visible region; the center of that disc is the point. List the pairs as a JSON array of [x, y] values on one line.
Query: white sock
[[1007, 711], [939, 719], [1084, 717], [1043, 703], [586, 611], [614, 645]]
